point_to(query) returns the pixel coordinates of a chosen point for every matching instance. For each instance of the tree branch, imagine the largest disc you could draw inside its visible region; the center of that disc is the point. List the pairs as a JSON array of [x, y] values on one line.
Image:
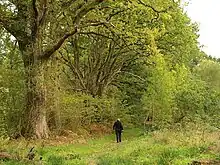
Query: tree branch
[[155, 10], [93, 24], [96, 34], [44, 13], [35, 20], [47, 53], [114, 14], [35, 9], [11, 24], [68, 62], [6, 17], [85, 9]]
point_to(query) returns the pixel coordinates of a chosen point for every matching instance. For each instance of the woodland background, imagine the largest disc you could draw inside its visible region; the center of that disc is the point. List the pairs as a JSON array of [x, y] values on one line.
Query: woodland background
[[78, 65]]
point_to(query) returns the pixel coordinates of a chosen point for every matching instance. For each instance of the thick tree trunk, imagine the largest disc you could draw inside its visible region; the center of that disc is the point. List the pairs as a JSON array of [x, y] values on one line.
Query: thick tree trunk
[[36, 124]]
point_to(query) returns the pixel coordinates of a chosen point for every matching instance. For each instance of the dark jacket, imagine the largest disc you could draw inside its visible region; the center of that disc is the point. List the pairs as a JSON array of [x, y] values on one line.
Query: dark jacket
[[117, 126]]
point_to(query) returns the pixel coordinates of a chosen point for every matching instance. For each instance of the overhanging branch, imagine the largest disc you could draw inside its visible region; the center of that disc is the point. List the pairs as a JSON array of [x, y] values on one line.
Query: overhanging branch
[[11, 24], [47, 53]]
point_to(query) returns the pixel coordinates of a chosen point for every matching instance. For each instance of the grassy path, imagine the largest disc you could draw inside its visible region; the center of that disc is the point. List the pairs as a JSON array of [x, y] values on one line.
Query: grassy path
[[90, 152], [158, 148]]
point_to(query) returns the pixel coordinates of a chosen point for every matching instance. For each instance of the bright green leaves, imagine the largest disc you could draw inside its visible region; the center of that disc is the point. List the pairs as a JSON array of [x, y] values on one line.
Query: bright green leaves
[[209, 71], [138, 53], [158, 99]]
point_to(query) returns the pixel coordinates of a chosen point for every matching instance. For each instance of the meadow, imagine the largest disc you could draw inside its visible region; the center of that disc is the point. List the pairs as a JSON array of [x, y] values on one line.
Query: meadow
[[164, 147]]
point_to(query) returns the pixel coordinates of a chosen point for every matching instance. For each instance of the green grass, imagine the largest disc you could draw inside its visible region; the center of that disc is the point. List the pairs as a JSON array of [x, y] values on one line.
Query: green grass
[[157, 148]]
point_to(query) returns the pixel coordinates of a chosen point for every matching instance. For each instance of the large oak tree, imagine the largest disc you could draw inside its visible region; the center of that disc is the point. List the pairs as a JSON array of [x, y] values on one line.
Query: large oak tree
[[40, 28]]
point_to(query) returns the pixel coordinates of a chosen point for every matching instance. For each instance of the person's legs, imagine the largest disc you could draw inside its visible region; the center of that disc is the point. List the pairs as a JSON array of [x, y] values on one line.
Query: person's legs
[[119, 136]]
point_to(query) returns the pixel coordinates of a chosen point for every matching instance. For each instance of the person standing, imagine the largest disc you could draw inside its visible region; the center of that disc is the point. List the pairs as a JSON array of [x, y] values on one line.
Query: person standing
[[118, 130]]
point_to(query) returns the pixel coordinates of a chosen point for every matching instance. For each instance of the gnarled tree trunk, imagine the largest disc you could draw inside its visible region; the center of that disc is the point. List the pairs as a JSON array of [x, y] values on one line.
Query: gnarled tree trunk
[[35, 123]]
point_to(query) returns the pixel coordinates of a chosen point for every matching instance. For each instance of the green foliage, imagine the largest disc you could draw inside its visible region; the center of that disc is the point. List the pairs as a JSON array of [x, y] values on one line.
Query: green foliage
[[11, 86], [82, 110], [209, 71], [12, 98], [129, 59], [176, 94], [158, 99]]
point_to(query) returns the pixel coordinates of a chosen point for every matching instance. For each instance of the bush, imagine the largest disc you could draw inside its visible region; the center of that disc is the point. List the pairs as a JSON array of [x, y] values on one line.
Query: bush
[[83, 111]]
